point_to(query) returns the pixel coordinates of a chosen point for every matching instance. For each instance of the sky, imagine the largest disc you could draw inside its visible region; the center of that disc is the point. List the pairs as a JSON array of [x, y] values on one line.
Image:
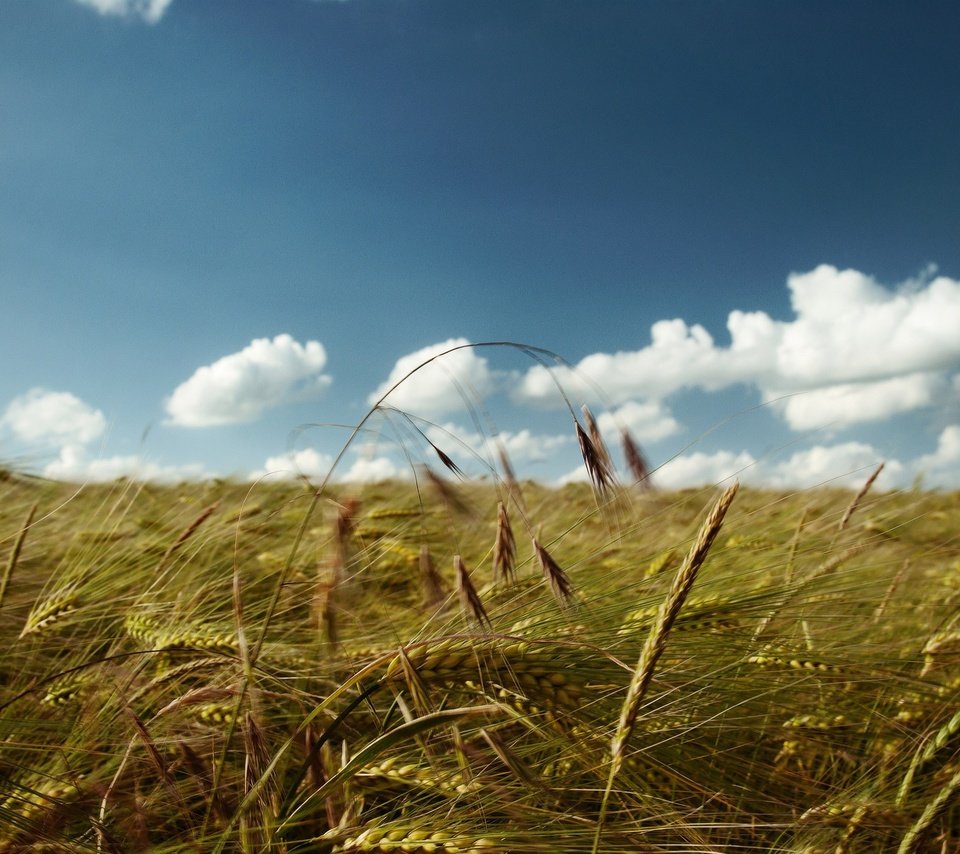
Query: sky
[[731, 227]]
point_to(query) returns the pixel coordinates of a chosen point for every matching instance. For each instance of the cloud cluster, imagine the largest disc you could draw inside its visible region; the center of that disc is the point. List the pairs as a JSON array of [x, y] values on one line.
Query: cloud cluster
[[53, 418], [844, 464], [432, 381], [855, 351], [315, 465], [74, 463], [239, 387], [149, 11]]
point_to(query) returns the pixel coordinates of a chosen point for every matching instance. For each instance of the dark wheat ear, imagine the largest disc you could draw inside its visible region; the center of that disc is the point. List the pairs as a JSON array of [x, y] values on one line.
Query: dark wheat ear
[[556, 577], [593, 431], [446, 492], [469, 598], [431, 584], [636, 462], [510, 476], [445, 459], [504, 549], [600, 474]]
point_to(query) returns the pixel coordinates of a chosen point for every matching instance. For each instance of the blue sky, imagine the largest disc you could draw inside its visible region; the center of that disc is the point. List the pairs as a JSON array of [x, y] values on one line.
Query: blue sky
[[222, 221]]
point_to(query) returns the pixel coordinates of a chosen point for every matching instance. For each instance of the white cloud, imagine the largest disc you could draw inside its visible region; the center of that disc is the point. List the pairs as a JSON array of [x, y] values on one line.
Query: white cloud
[[700, 468], [845, 464], [942, 467], [314, 464], [521, 446], [435, 389], [74, 464], [149, 11], [53, 418], [372, 469], [239, 387], [849, 403], [647, 422], [850, 337], [307, 462]]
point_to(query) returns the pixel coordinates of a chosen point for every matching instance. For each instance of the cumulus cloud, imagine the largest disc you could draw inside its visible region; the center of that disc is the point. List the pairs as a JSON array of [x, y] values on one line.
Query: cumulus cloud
[[648, 421], [844, 464], [858, 350], [53, 418], [522, 446], [698, 468], [239, 387], [849, 403], [942, 467], [309, 462], [435, 389], [76, 465], [150, 11]]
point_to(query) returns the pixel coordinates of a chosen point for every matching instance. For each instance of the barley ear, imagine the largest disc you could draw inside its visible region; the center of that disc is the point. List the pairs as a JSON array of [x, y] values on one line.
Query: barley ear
[[593, 430], [187, 533], [656, 642], [504, 549], [510, 476], [636, 462], [600, 475], [558, 580], [860, 496], [469, 598], [431, 584]]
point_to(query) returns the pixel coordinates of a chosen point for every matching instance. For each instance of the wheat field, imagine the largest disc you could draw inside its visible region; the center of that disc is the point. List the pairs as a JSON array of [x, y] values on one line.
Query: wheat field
[[455, 666]]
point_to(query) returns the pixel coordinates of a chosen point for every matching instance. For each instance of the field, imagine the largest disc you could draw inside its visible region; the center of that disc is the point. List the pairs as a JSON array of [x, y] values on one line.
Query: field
[[466, 667]]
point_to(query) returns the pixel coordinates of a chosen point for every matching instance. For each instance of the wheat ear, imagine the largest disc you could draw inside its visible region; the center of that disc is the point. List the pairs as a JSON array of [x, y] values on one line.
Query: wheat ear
[[15, 554], [860, 496], [504, 549], [469, 598], [656, 643]]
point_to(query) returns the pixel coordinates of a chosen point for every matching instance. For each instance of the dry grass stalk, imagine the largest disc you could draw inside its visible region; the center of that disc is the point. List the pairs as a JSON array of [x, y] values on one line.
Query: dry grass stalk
[[600, 474], [635, 460], [469, 598], [15, 554], [657, 641], [344, 526], [888, 596], [795, 544], [504, 549], [202, 775], [432, 587], [155, 757], [557, 578], [187, 533], [860, 496]]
